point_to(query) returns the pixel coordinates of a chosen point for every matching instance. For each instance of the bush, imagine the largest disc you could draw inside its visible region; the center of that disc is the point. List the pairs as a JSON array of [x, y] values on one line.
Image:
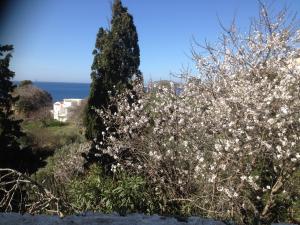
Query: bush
[[64, 166], [66, 163], [122, 193], [228, 145], [77, 114], [53, 123], [50, 134], [31, 99], [25, 82]]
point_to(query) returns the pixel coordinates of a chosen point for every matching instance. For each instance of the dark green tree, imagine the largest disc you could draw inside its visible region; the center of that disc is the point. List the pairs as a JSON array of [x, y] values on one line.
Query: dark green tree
[[25, 83], [11, 154], [116, 64], [10, 130]]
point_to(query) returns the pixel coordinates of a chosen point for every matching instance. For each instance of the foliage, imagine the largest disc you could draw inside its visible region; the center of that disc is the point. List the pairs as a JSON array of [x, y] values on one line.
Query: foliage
[[53, 123], [65, 164], [122, 193], [228, 145], [11, 154], [45, 136], [25, 82], [31, 99], [10, 128], [116, 62], [77, 114]]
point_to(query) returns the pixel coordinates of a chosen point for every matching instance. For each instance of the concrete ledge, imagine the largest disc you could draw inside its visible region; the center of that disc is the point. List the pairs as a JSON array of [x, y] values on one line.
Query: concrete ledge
[[99, 219], [104, 219]]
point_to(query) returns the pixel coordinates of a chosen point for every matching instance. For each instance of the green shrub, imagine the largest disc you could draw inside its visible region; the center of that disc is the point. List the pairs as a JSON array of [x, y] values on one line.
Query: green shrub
[[25, 82], [66, 164], [50, 134], [121, 193], [53, 123], [31, 98]]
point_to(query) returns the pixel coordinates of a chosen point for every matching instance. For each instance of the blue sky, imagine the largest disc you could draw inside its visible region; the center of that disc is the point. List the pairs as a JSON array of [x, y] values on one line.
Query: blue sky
[[54, 39]]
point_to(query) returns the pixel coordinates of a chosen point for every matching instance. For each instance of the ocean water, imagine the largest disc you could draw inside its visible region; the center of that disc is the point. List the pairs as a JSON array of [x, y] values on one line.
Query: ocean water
[[59, 90]]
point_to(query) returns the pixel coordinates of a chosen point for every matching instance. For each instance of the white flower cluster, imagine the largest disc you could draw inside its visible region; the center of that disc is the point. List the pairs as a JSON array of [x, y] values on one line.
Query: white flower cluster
[[235, 121]]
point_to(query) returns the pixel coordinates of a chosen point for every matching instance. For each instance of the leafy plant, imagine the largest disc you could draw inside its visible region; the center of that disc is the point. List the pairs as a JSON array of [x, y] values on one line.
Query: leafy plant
[[121, 193], [228, 145]]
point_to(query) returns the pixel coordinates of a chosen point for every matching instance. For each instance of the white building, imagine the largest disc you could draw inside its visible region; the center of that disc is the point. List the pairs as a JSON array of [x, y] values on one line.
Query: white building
[[62, 110]]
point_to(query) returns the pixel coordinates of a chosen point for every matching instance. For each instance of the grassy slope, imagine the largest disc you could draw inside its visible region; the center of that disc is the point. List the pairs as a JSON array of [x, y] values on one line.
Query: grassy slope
[[50, 134]]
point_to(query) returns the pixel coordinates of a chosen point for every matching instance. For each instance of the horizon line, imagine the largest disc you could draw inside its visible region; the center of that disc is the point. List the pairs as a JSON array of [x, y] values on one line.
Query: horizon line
[[37, 81]]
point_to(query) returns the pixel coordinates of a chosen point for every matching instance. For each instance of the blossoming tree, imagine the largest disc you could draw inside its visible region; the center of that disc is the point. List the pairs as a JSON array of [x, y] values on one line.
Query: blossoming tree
[[228, 145]]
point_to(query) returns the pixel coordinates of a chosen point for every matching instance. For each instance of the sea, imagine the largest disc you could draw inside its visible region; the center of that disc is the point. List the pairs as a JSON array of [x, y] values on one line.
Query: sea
[[61, 90]]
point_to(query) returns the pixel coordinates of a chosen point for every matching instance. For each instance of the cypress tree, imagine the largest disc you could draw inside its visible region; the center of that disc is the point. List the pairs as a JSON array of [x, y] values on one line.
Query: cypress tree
[[116, 63], [9, 128], [11, 154]]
